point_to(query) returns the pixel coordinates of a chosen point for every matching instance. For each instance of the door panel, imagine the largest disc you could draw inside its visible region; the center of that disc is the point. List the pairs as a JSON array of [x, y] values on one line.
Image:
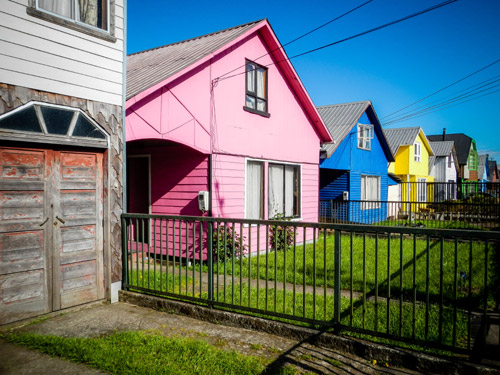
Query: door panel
[[79, 276], [51, 243], [24, 237]]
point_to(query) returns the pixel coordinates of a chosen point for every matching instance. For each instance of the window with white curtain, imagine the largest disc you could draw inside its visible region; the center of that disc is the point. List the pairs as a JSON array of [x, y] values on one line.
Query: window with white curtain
[[284, 190], [418, 151], [255, 190], [256, 88], [422, 190], [370, 191], [88, 12]]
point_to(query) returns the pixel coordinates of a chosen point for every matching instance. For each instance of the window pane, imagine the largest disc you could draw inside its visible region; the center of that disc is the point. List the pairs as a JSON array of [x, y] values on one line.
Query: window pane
[[57, 120], [250, 103], [275, 190], [93, 12], [254, 186], [84, 128], [251, 78], [289, 190], [261, 83], [61, 7], [261, 105], [23, 120]]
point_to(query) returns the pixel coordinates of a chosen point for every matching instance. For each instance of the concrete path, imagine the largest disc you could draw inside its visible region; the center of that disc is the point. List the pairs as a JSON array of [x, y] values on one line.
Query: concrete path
[[101, 319]]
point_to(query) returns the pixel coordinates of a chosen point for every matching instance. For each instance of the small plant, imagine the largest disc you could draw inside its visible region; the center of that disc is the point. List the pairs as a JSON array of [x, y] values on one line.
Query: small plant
[[280, 236], [256, 346], [227, 243]]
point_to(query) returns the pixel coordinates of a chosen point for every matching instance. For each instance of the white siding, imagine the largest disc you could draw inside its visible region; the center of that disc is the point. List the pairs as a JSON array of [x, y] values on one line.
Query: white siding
[[42, 55], [451, 172]]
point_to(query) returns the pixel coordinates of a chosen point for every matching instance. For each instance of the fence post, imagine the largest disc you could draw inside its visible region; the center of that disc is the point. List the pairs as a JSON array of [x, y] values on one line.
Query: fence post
[[210, 264], [124, 255], [336, 284]]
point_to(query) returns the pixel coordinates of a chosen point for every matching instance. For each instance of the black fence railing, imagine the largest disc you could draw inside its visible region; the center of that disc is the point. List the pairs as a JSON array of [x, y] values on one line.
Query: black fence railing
[[446, 214], [424, 286], [467, 191]]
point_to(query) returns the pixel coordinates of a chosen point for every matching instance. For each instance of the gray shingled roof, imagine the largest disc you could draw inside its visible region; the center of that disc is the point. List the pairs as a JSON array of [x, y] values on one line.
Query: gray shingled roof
[[401, 137], [147, 68], [339, 119], [442, 148], [462, 144]]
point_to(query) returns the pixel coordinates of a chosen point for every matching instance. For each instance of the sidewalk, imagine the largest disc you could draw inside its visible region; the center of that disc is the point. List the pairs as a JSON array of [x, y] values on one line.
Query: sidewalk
[[101, 319]]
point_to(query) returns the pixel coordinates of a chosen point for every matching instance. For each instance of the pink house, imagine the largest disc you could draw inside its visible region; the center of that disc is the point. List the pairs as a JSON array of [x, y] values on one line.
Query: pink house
[[224, 113]]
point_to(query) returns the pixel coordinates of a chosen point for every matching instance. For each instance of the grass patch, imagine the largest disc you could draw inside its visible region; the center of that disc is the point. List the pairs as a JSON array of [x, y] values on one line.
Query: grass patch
[[143, 353]]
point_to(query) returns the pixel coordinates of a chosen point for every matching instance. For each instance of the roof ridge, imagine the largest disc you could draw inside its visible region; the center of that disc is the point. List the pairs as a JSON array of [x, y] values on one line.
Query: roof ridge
[[198, 37], [340, 104]]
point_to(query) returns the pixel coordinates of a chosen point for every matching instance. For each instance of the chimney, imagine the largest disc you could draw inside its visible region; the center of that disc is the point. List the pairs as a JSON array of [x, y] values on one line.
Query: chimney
[[444, 134]]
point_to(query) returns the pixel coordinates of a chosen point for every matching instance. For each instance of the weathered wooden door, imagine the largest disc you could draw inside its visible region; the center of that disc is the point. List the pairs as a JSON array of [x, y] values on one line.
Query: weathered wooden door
[[51, 244]]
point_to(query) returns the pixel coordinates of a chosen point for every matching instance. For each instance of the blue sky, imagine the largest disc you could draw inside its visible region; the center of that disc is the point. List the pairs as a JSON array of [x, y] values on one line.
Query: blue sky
[[393, 67]]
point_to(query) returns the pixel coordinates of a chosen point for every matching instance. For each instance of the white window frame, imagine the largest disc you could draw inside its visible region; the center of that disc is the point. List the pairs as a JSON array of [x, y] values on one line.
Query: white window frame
[[74, 18], [298, 203], [364, 190], [417, 148], [422, 190], [364, 139], [262, 184]]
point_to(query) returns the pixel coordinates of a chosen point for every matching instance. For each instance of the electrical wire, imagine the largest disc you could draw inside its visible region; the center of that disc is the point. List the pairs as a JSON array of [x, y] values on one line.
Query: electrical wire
[[300, 37], [484, 83], [449, 101], [440, 109], [442, 89], [356, 35]]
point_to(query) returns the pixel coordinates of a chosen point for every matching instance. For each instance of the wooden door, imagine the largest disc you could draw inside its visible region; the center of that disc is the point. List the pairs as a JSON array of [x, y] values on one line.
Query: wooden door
[[51, 245]]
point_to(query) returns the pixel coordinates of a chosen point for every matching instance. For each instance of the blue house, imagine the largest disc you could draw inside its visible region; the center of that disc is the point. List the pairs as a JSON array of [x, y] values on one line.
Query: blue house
[[353, 169]]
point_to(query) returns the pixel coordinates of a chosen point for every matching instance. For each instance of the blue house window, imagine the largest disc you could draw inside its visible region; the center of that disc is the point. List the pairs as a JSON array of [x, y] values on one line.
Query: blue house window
[[370, 192], [365, 135]]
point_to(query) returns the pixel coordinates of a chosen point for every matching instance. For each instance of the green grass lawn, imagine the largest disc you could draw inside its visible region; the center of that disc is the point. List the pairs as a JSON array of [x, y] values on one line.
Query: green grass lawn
[[143, 353], [367, 264]]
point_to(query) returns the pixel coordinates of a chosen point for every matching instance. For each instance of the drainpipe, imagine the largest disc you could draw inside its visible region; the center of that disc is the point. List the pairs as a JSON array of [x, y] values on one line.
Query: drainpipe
[[124, 100], [210, 185]]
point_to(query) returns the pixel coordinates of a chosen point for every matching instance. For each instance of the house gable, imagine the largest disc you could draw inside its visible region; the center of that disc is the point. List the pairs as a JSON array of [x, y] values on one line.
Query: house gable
[[211, 93]]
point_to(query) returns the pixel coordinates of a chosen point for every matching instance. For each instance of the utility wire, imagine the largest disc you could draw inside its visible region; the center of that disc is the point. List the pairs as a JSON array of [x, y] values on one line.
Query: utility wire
[[444, 88], [470, 88], [360, 34], [301, 36], [440, 109], [467, 94]]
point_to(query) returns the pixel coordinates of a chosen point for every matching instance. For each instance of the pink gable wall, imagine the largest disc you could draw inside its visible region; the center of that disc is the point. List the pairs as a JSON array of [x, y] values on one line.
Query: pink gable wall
[[189, 111]]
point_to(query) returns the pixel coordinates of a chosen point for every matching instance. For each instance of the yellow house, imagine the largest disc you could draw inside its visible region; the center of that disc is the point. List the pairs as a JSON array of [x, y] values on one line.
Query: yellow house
[[411, 150]]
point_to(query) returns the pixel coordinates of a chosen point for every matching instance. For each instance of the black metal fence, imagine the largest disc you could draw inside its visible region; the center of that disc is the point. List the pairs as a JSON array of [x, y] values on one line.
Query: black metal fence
[[446, 215], [465, 191], [423, 286]]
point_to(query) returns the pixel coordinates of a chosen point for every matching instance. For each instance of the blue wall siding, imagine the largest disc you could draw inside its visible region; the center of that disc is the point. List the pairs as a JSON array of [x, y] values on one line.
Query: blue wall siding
[[358, 162], [332, 183]]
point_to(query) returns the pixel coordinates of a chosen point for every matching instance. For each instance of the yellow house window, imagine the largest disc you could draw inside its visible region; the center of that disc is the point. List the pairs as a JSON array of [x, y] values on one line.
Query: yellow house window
[[418, 152]]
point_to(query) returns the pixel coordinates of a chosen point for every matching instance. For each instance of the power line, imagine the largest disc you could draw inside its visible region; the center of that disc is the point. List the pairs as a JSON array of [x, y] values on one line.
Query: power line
[[444, 103], [360, 34], [444, 88], [440, 109], [484, 83], [302, 36]]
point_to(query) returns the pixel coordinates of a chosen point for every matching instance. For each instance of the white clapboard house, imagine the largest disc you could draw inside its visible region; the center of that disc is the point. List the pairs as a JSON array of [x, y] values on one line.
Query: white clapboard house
[[61, 154]]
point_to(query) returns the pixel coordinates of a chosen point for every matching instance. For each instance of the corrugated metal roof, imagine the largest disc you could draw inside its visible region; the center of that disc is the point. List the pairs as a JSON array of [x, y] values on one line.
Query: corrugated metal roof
[[442, 148], [147, 68], [401, 137], [340, 119]]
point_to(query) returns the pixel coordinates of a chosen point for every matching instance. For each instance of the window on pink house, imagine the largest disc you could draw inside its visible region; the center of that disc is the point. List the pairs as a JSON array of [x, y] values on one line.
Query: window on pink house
[[256, 89]]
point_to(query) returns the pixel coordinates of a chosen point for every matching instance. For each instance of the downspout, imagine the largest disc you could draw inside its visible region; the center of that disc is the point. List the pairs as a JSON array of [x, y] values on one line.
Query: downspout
[[124, 100]]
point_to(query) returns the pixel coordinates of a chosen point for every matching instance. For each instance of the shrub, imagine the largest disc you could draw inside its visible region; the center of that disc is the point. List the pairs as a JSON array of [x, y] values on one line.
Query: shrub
[[280, 236], [235, 245]]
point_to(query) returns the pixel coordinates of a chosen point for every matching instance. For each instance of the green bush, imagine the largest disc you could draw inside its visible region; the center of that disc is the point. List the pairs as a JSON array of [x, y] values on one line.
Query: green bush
[[280, 236], [227, 243]]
